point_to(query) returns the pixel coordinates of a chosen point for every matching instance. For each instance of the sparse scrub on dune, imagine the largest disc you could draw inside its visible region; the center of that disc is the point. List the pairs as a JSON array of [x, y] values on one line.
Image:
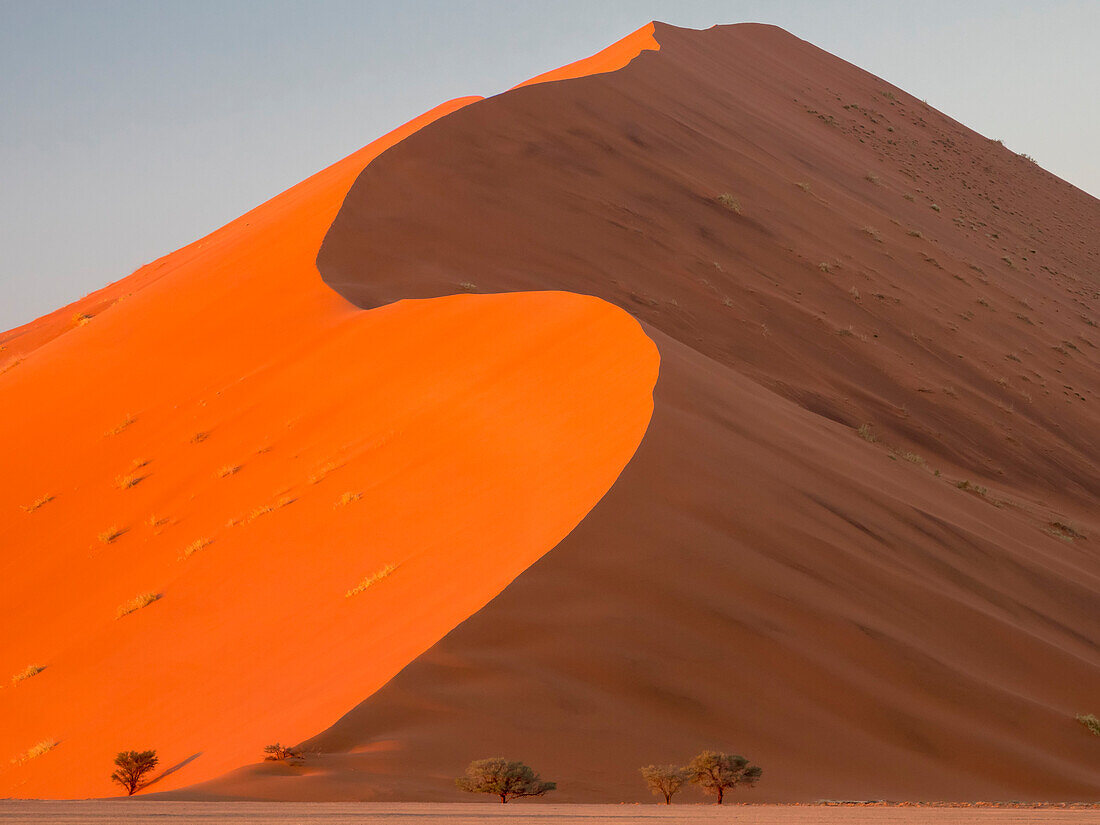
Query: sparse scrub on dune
[[128, 481], [803, 185], [27, 673], [825, 266], [38, 502], [43, 747], [122, 425], [908, 197], [935, 207], [111, 534], [318, 475], [872, 233], [913, 458], [228, 470], [195, 547], [280, 753], [915, 233], [871, 177], [866, 434], [80, 319], [730, 202], [347, 498], [466, 286], [156, 521], [136, 603], [200, 436], [1091, 723], [854, 293], [11, 363], [370, 580]]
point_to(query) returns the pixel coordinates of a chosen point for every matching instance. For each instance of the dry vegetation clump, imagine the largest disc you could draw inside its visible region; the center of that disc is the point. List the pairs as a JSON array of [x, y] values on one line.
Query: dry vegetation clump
[[467, 286], [1090, 722], [228, 470], [803, 185], [866, 434], [200, 436], [111, 534], [318, 475], [43, 747], [38, 502], [128, 481], [12, 362], [872, 233], [27, 673], [122, 425], [372, 579], [81, 318], [136, 603], [347, 498], [195, 547], [155, 521], [730, 202]]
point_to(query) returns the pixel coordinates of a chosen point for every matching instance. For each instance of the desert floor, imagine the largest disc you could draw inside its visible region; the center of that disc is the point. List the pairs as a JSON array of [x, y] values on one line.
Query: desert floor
[[342, 813]]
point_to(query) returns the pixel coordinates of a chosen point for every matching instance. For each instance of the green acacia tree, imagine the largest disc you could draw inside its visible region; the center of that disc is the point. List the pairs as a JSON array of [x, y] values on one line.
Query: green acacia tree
[[131, 768], [664, 780], [715, 773], [508, 780]]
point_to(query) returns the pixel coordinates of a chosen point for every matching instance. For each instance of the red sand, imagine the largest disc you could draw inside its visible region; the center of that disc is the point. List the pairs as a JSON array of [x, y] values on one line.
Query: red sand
[[260, 446], [760, 578]]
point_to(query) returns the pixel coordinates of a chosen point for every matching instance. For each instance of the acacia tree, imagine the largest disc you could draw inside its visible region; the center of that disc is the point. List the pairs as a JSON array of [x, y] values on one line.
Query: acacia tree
[[508, 780], [715, 773], [665, 780], [132, 768]]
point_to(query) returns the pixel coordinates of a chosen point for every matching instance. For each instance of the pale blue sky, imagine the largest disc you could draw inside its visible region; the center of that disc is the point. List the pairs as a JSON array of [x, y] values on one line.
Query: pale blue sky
[[128, 129]]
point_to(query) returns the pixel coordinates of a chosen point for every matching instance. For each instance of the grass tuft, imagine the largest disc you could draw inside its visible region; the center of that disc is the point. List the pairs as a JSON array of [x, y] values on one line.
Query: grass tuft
[[136, 603], [347, 498], [128, 481], [111, 534], [122, 425], [38, 502], [27, 673], [43, 747], [228, 470], [194, 547], [370, 580], [866, 434], [1090, 722], [730, 202]]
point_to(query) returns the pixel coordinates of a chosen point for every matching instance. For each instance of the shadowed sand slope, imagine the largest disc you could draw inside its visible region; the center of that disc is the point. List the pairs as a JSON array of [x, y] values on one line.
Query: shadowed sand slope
[[234, 504], [910, 614]]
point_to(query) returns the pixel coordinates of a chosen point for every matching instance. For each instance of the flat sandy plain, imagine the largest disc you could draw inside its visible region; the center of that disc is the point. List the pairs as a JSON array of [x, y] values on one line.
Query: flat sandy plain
[[344, 813]]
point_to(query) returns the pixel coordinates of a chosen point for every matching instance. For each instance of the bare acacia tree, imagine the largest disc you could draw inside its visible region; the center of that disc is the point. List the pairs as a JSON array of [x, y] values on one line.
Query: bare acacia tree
[[508, 780], [132, 768], [664, 780], [715, 773]]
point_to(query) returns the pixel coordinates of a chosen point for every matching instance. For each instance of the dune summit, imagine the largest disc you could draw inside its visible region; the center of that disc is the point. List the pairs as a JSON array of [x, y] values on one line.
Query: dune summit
[[849, 529]]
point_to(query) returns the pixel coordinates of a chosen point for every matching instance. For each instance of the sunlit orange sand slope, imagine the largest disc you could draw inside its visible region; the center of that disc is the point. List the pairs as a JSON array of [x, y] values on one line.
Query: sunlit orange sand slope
[[227, 448]]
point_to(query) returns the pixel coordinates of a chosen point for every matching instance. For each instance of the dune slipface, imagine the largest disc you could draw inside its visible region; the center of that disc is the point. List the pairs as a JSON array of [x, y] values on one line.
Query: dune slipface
[[858, 542], [234, 504]]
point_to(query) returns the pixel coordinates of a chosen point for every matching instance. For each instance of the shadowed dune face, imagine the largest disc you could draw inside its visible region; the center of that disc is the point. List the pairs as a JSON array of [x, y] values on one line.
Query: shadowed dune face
[[913, 613], [235, 504]]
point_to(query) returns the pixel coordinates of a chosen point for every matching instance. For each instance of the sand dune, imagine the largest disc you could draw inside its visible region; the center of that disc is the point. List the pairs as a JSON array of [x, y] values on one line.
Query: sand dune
[[204, 458], [913, 616]]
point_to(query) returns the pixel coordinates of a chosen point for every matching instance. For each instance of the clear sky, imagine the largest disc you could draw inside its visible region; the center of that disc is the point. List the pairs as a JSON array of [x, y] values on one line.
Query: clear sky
[[128, 129]]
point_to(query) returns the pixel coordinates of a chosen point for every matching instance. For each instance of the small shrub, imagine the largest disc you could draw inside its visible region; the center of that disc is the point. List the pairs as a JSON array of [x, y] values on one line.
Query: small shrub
[[866, 434], [318, 475], [131, 769], [370, 580], [136, 603], [972, 488], [730, 202], [200, 436], [908, 197], [43, 747], [111, 534], [228, 470], [915, 233], [156, 521], [825, 266], [194, 547], [11, 363], [935, 208], [279, 753], [128, 481], [716, 773], [871, 177], [466, 286], [347, 498], [664, 780], [27, 673], [38, 502], [122, 425], [854, 293], [872, 233], [80, 319], [508, 780], [805, 187], [1091, 723]]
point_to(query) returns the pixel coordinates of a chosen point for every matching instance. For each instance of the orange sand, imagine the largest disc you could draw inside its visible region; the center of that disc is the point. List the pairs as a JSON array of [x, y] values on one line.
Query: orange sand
[[470, 433]]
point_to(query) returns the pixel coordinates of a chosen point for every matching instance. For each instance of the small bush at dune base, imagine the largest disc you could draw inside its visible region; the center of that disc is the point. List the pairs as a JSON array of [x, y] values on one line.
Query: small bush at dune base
[[1091, 723], [131, 769], [508, 780], [665, 780], [26, 673], [136, 603], [716, 773], [280, 753], [730, 202]]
